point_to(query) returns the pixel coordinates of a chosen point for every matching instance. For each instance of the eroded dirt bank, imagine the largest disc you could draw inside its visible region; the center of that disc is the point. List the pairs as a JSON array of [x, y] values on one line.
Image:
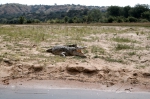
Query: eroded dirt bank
[[99, 75]]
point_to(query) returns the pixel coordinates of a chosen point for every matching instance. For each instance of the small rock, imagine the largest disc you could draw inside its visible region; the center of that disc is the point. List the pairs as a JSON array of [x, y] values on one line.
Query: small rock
[[35, 68], [75, 68], [7, 61], [146, 74], [90, 70], [5, 82]]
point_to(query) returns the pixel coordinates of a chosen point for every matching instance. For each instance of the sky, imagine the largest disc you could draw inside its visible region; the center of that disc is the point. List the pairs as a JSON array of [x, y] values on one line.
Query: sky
[[81, 2]]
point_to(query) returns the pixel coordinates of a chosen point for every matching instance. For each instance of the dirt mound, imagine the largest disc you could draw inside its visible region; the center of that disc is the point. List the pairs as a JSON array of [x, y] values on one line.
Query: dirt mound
[[78, 72], [84, 73], [83, 69]]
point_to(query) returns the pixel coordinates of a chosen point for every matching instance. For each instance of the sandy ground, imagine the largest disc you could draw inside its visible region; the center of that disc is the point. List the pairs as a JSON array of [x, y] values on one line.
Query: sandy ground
[[132, 73]]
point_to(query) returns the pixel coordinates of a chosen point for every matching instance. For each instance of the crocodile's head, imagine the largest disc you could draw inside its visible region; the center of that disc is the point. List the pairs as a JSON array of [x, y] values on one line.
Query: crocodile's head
[[79, 53]]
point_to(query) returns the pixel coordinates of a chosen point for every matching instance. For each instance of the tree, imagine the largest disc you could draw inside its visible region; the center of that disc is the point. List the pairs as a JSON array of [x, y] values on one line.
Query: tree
[[114, 11], [111, 19], [36, 21], [138, 10], [120, 19], [29, 21], [75, 20], [66, 19], [146, 15], [3, 20], [94, 15], [21, 20], [70, 20], [85, 18], [126, 10], [89, 19], [132, 19]]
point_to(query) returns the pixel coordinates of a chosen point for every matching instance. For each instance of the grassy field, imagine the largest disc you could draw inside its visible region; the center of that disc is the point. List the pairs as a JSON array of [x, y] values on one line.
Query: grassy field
[[16, 38], [118, 45]]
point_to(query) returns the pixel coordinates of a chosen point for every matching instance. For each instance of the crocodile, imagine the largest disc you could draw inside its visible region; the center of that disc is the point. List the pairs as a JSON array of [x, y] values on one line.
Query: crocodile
[[67, 50]]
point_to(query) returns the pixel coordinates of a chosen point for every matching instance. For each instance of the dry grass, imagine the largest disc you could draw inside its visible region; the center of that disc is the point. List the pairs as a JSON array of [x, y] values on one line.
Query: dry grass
[[29, 42]]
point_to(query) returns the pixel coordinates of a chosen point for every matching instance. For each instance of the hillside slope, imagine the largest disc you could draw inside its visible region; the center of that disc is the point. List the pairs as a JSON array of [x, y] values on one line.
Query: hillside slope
[[19, 8]]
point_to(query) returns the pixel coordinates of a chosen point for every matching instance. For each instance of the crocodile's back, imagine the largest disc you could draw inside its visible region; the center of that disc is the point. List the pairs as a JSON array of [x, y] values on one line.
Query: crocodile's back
[[57, 50]]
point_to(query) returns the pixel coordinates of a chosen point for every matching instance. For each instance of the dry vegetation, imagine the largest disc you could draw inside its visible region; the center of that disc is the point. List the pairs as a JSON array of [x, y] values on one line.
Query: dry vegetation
[[115, 54]]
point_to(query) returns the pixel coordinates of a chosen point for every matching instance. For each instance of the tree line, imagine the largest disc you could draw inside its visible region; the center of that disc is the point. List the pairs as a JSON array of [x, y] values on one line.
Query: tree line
[[117, 14]]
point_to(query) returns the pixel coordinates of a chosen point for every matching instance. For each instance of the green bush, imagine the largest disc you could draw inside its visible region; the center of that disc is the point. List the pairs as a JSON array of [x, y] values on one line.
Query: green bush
[[126, 20], [120, 19], [111, 19], [143, 20], [132, 19]]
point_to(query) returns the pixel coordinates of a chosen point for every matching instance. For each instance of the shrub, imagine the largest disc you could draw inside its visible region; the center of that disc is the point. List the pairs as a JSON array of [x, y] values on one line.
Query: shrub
[[143, 20], [111, 19], [126, 20], [118, 39], [97, 50], [120, 19], [131, 53], [123, 46], [132, 19]]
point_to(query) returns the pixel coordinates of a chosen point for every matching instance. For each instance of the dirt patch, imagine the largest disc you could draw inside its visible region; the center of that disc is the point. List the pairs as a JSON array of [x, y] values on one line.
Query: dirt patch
[[81, 69]]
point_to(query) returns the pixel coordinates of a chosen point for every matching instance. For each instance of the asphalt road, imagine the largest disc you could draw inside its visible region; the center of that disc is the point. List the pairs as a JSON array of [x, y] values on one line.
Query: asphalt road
[[8, 93]]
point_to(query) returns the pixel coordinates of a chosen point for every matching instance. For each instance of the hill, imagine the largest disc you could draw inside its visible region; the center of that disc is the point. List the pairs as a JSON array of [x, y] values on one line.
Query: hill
[[10, 13], [20, 14], [46, 9]]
